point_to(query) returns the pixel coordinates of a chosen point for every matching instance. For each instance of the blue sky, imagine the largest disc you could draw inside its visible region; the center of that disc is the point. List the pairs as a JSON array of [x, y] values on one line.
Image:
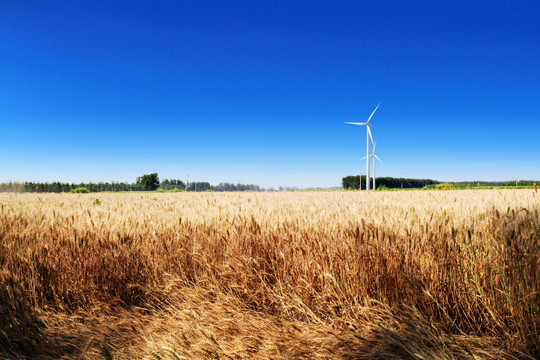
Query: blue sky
[[257, 91]]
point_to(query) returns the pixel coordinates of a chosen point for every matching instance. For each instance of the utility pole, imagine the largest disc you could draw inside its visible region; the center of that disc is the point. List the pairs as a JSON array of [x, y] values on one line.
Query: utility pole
[[187, 182]]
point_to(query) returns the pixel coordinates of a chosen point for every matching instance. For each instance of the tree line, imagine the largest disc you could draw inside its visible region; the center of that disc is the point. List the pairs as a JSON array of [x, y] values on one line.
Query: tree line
[[147, 182], [352, 182], [58, 187], [151, 182]]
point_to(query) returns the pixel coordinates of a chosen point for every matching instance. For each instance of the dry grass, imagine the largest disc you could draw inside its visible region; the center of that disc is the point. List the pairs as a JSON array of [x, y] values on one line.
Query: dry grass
[[419, 275]]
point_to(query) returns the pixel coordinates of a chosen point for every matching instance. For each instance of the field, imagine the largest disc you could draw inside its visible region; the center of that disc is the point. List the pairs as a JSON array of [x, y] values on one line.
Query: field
[[305, 275]]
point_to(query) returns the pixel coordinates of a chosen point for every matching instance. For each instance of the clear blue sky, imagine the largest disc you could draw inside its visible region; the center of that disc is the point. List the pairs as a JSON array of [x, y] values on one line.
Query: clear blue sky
[[257, 91]]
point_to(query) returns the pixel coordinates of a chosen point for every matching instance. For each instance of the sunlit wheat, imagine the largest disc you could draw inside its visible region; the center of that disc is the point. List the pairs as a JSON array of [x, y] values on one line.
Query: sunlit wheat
[[417, 274]]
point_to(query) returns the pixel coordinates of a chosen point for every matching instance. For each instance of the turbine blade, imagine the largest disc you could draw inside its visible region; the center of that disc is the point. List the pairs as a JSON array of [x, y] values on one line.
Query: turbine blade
[[363, 158], [374, 145], [373, 112], [376, 157], [355, 123], [369, 132]]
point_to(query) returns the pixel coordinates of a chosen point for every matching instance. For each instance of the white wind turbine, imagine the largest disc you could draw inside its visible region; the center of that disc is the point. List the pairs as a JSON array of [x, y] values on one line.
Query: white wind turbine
[[374, 157], [369, 137]]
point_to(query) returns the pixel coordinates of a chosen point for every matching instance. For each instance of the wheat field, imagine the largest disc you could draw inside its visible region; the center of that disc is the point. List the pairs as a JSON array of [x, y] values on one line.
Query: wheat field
[[301, 275]]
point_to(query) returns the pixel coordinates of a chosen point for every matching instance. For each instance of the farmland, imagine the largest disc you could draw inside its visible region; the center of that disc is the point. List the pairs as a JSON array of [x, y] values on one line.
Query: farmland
[[350, 275]]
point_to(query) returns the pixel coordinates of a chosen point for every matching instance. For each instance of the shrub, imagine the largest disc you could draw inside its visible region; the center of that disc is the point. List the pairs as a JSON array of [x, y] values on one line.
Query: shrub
[[80, 190], [444, 186]]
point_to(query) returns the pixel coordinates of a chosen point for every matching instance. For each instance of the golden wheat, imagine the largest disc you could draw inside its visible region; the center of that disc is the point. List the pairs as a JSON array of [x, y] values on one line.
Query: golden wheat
[[410, 274]]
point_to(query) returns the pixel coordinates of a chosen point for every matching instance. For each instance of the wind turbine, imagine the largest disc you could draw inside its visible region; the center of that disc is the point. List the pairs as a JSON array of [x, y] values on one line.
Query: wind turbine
[[374, 157], [369, 137]]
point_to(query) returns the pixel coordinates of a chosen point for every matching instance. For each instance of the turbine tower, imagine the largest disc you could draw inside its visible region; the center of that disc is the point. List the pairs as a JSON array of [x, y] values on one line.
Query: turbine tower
[[369, 137], [374, 157]]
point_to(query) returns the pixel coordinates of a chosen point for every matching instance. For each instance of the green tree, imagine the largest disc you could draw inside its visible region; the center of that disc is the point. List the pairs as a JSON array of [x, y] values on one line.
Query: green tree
[[148, 182], [352, 182]]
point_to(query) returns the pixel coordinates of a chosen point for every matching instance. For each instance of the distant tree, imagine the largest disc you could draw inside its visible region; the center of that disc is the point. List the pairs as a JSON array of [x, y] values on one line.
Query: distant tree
[[352, 182], [148, 182], [171, 184], [199, 186]]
